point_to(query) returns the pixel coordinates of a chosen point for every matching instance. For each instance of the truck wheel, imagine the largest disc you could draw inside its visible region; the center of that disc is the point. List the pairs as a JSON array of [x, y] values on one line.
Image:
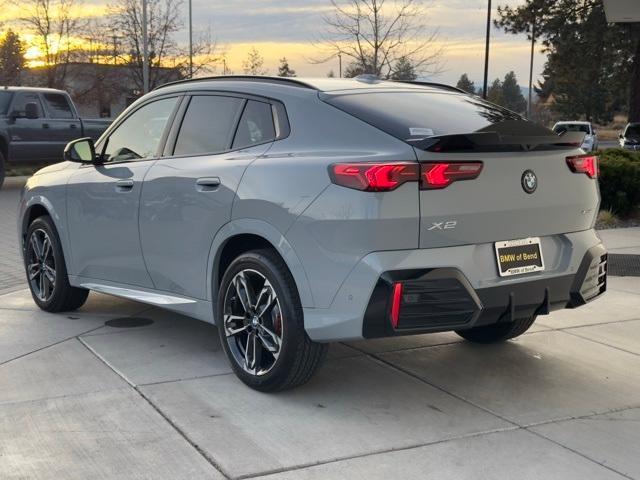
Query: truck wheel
[[260, 322], [2, 169], [47, 271], [497, 332]]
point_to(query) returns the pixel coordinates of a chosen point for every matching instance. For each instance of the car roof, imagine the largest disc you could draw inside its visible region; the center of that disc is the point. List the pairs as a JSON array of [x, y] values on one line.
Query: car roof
[[322, 84], [31, 89]]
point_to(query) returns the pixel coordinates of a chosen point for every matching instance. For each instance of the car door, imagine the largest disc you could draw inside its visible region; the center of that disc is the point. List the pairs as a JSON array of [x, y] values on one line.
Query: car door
[[103, 200], [62, 122], [188, 195], [28, 139]]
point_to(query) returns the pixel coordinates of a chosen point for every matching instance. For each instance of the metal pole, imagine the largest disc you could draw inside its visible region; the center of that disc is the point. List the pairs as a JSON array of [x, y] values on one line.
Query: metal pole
[[145, 49], [340, 64], [533, 43], [190, 41], [486, 52]]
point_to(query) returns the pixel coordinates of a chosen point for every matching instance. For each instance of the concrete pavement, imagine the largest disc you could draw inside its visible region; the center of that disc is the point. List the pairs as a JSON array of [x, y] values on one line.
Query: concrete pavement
[[81, 399]]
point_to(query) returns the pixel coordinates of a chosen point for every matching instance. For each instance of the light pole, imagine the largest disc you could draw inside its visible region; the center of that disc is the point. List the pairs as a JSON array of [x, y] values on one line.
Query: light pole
[[145, 49], [340, 65], [486, 52], [190, 41], [533, 43]]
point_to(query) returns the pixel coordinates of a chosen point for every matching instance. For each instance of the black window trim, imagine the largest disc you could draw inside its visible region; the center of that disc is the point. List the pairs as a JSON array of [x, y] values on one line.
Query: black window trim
[[163, 140], [279, 114]]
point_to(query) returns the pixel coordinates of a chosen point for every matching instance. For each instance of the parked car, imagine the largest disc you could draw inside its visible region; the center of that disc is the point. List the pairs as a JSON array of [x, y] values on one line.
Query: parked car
[[630, 137], [37, 123], [590, 142], [293, 213]]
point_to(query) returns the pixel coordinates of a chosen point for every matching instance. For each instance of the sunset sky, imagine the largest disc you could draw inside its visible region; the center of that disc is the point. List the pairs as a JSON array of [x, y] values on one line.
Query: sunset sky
[[288, 28]]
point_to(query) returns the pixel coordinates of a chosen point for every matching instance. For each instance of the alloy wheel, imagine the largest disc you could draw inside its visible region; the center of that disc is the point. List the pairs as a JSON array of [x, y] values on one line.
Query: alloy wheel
[[252, 322], [41, 265]]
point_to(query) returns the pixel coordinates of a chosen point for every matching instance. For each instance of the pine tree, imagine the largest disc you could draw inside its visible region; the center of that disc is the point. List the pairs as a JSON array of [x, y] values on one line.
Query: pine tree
[[465, 84], [254, 63], [284, 70], [512, 95], [404, 70], [12, 61], [495, 93]]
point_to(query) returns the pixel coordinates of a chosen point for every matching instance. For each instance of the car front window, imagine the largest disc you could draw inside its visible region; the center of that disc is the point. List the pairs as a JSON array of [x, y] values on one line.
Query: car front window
[[139, 136]]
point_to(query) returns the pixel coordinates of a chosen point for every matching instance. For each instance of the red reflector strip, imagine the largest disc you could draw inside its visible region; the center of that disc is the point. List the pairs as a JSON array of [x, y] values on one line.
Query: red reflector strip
[[396, 300], [442, 174], [374, 177], [584, 164]]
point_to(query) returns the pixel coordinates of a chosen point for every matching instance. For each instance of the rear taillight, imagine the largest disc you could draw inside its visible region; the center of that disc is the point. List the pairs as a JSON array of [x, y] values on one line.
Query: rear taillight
[[383, 177], [440, 175], [374, 177], [396, 301], [584, 164]]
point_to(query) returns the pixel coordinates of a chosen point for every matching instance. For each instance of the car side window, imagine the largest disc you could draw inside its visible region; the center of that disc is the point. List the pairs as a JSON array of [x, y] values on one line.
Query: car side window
[[138, 136], [58, 105], [19, 105], [208, 125], [256, 125]]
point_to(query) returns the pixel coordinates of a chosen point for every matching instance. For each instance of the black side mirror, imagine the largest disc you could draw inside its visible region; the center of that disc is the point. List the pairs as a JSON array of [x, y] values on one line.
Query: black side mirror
[[620, 136], [31, 111], [81, 150]]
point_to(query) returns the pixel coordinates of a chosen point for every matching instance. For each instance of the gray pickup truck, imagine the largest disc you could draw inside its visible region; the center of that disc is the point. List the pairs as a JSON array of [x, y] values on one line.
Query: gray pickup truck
[[37, 123]]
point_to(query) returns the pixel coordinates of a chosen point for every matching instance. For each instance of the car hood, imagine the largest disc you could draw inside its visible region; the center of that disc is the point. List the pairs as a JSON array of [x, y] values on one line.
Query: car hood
[[56, 167]]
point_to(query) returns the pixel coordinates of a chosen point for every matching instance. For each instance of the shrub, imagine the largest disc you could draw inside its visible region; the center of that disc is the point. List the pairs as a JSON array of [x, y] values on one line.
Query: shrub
[[620, 180]]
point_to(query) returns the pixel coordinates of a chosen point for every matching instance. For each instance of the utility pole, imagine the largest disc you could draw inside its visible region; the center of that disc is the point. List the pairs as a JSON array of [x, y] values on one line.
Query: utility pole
[[190, 40], [486, 52], [533, 43], [145, 50], [340, 64]]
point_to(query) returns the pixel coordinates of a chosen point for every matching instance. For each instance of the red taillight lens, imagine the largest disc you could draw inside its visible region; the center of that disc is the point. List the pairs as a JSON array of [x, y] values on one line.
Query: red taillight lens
[[441, 174], [396, 300], [584, 164], [374, 177]]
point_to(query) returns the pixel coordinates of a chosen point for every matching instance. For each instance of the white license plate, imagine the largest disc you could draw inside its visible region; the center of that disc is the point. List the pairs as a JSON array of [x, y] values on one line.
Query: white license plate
[[516, 257]]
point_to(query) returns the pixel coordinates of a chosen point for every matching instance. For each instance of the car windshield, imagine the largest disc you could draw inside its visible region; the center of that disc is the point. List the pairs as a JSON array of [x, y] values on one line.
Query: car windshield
[[5, 100], [633, 131], [572, 127]]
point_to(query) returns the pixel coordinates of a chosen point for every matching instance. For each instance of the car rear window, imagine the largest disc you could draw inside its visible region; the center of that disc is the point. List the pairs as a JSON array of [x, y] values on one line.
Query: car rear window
[[58, 105], [572, 127], [412, 115], [5, 100], [256, 125]]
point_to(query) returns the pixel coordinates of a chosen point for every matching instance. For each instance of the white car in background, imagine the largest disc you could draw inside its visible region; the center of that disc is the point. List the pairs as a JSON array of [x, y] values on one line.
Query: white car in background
[[590, 142]]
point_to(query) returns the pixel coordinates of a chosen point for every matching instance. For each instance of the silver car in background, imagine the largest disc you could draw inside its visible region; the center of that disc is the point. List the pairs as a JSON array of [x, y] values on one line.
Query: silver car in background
[[293, 213], [590, 142]]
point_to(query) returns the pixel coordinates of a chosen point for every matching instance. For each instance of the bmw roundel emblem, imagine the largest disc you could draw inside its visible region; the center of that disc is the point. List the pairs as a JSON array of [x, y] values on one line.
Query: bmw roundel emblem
[[529, 181]]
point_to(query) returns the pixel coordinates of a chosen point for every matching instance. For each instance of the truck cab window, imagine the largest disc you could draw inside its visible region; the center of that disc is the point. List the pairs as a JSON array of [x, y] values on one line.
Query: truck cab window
[[58, 105]]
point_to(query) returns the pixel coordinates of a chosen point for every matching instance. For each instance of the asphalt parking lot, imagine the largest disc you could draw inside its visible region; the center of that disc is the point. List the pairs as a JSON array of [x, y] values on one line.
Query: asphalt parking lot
[[150, 395]]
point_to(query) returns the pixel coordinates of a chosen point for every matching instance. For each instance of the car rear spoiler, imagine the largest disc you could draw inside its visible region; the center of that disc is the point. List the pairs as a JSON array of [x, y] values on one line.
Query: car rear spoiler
[[502, 135]]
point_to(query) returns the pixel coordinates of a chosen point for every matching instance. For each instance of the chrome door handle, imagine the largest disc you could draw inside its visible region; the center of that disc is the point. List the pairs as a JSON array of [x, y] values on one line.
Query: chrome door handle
[[45, 125], [73, 125], [207, 184], [124, 185]]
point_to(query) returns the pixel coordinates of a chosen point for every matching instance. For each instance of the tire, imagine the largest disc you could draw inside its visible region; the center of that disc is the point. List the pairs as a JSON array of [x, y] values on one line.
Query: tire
[[2, 169], [282, 356], [50, 290], [497, 332]]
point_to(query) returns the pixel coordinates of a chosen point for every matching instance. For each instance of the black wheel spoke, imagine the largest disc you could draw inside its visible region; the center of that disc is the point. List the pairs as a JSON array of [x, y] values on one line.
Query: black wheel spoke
[[249, 324], [41, 265]]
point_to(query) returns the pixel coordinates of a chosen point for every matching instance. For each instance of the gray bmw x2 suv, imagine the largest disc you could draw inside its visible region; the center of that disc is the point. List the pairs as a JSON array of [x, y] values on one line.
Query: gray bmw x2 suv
[[293, 213]]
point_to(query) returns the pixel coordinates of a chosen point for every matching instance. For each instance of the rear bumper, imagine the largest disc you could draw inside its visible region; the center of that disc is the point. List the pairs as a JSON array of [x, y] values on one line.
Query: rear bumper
[[458, 287], [442, 299]]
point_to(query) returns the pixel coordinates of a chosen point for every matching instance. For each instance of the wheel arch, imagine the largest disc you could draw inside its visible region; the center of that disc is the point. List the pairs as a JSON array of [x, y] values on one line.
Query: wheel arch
[[38, 206], [243, 235], [4, 148]]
